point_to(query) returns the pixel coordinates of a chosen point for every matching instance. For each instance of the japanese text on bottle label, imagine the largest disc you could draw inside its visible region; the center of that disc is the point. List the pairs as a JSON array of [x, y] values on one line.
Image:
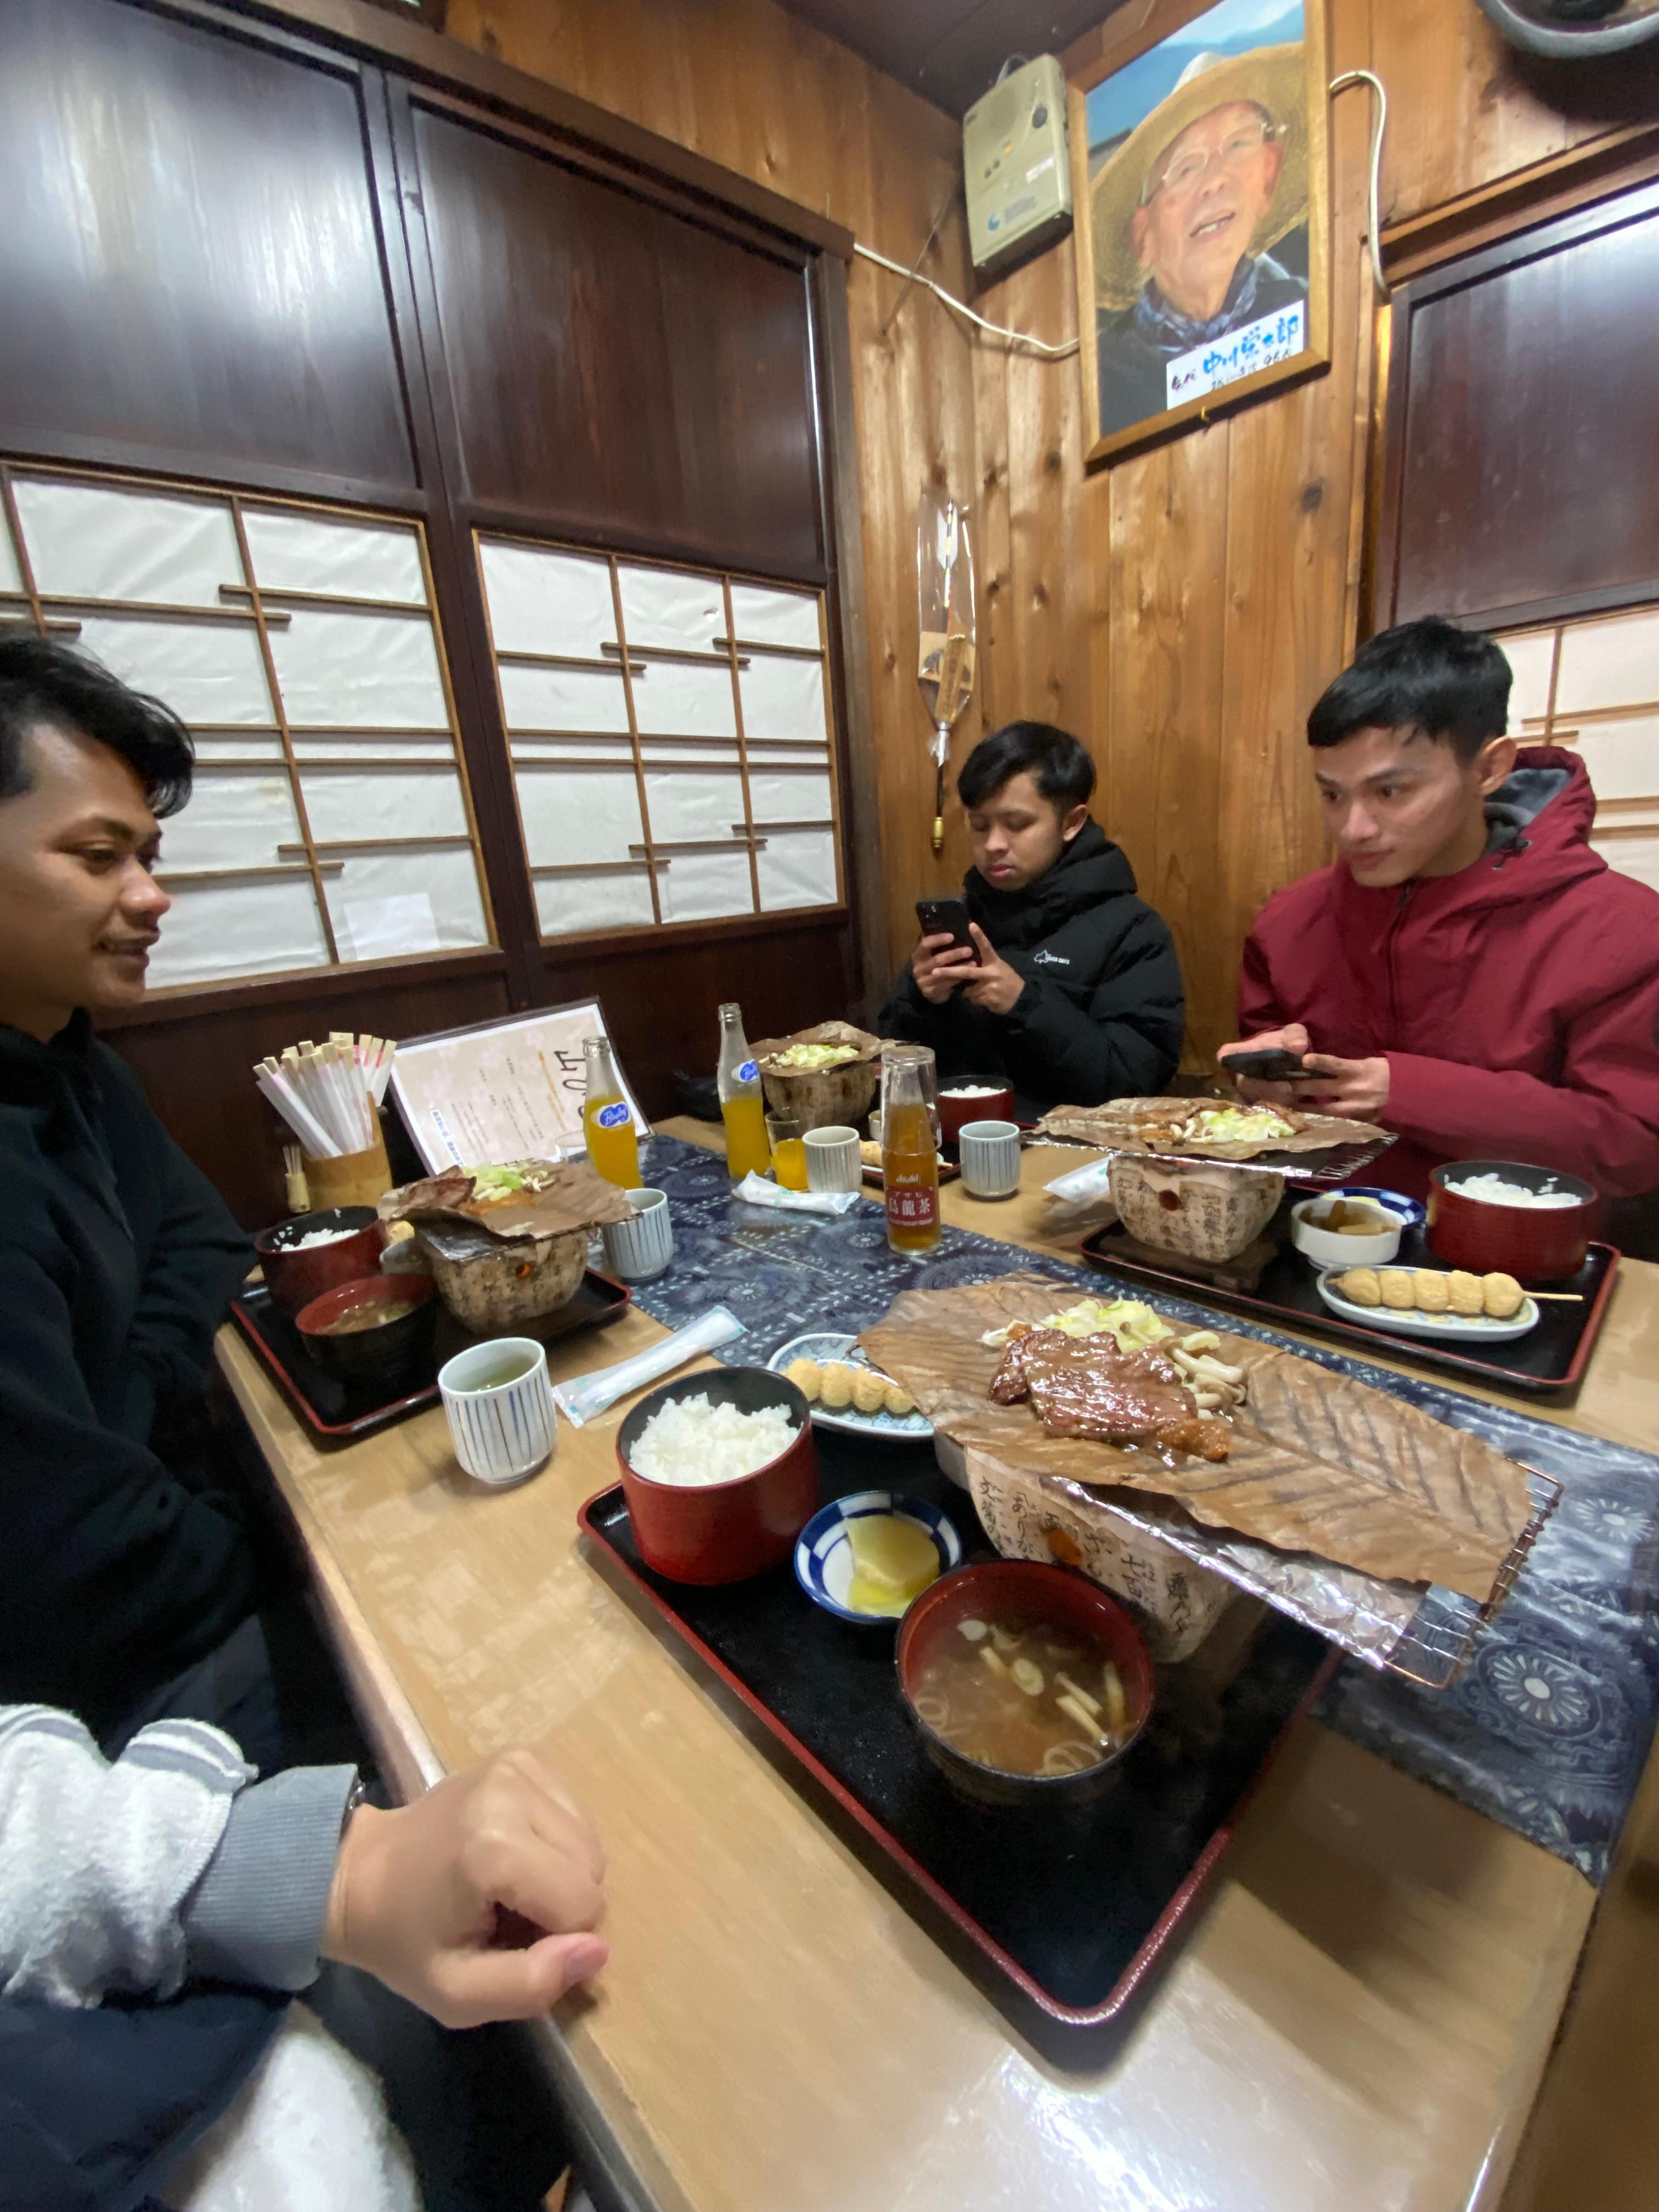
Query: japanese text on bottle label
[[912, 1209]]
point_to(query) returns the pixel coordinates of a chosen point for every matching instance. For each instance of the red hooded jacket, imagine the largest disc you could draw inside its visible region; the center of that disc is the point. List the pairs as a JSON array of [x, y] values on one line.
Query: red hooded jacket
[[1516, 1002]]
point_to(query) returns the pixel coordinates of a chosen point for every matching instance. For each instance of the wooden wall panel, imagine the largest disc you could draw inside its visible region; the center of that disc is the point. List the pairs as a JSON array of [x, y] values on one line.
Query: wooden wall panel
[[1528, 420], [184, 268], [619, 374], [1467, 108]]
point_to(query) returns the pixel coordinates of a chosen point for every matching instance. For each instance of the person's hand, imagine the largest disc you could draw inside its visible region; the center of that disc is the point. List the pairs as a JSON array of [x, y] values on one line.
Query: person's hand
[[993, 984], [1358, 1089], [939, 964], [1293, 1037], [477, 1901]]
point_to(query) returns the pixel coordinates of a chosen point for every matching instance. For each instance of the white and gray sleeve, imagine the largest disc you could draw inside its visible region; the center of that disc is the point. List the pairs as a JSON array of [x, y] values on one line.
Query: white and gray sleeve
[[131, 1877], [96, 1860], [257, 1913]]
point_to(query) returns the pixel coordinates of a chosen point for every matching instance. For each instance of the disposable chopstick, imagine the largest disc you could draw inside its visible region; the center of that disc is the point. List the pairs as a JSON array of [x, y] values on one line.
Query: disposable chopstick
[[346, 1079], [329, 1094], [312, 1133]]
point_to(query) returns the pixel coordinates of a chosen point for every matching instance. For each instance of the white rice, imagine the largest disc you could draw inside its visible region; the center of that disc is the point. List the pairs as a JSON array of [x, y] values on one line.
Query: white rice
[[317, 1236], [1493, 1191], [975, 1090], [690, 1441]]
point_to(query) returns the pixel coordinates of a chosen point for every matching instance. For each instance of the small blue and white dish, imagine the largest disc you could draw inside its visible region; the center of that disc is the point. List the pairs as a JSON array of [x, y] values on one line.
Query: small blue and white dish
[[823, 1557], [1411, 1211]]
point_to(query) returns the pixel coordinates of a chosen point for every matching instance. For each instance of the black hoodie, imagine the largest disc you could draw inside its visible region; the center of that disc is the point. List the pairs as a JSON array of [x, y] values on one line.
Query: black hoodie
[[117, 1259], [1102, 1012]]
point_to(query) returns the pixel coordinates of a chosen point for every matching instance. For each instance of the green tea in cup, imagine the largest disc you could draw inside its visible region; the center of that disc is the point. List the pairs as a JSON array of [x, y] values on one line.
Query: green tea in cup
[[496, 1374]]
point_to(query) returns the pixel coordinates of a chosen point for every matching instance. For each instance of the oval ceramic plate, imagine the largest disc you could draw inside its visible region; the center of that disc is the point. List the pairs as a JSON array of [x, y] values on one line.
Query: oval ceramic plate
[[1481, 1327], [827, 1344], [823, 1557]]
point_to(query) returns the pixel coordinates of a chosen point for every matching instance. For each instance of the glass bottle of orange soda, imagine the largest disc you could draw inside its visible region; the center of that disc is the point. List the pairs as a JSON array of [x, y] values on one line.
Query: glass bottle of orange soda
[[910, 1148], [613, 1147], [742, 1109]]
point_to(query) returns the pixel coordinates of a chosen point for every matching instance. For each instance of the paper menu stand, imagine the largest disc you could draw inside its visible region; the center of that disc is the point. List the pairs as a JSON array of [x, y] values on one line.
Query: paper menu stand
[[505, 1089]]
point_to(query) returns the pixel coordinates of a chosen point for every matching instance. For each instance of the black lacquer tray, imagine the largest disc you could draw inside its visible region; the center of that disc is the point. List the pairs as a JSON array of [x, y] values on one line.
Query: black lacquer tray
[[342, 1410], [1059, 1917]]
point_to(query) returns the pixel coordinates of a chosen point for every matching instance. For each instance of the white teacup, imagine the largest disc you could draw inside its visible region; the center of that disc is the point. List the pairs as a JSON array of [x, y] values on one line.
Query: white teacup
[[498, 1405], [989, 1153], [833, 1159], [638, 1248]]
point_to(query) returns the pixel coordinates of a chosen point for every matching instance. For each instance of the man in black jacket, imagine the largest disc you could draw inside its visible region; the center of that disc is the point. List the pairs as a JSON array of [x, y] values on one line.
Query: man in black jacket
[[1077, 994], [117, 1258], [127, 1589]]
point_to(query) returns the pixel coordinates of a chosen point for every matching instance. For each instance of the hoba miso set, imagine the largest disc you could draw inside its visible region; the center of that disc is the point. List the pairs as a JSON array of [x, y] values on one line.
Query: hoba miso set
[[1058, 1550]]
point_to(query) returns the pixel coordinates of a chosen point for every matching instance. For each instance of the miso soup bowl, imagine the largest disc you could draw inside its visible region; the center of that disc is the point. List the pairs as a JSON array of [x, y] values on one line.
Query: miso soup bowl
[[722, 1532], [386, 1355], [1024, 1592], [1533, 1244], [294, 1277]]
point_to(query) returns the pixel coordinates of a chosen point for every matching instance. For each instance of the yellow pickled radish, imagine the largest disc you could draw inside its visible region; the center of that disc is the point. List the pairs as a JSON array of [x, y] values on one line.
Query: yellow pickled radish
[[894, 1561]]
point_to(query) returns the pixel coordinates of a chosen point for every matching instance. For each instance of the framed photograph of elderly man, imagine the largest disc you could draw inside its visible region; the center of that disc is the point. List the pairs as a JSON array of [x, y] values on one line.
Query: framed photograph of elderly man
[[1201, 156]]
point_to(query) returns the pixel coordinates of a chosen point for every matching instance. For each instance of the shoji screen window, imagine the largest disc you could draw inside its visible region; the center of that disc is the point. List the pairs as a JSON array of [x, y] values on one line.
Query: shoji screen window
[[1593, 684], [669, 738], [330, 820]]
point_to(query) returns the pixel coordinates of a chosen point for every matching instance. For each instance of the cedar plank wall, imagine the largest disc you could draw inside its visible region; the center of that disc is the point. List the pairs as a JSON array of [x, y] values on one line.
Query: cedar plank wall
[[1181, 609]]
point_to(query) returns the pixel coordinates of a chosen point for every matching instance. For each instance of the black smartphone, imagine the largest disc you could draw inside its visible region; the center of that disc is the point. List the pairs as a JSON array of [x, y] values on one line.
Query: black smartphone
[[1272, 1065], [941, 917]]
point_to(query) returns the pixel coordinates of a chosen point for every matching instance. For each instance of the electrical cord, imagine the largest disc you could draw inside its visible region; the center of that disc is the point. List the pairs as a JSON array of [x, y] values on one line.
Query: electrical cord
[[958, 306], [1340, 84], [1040, 346]]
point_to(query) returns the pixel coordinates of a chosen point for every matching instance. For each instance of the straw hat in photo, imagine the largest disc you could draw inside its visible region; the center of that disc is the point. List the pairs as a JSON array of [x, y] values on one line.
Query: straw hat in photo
[[1274, 78]]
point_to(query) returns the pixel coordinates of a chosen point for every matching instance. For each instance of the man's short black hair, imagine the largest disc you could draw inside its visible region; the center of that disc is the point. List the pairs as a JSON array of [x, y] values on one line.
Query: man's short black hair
[[46, 685], [1064, 772], [1451, 683]]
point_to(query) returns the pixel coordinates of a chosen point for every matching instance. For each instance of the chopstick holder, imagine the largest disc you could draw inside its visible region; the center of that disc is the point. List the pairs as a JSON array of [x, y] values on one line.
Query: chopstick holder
[[584, 1396]]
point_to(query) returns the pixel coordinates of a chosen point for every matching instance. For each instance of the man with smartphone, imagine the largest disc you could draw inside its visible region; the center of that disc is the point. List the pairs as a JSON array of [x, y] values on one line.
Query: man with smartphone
[[1468, 973], [1049, 973]]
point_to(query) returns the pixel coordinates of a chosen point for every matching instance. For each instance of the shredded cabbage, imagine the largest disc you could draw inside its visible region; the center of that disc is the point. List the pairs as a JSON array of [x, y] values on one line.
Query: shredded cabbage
[[814, 1058], [495, 1183], [1129, 1321], [1230, 1124]]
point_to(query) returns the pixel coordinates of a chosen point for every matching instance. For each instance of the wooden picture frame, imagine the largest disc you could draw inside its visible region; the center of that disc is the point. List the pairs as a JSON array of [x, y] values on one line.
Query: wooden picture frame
[[1149, 360]]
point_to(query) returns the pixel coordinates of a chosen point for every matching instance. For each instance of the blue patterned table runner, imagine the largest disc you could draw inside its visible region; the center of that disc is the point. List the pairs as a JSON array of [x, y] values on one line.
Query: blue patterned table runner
[[1546, 1731]]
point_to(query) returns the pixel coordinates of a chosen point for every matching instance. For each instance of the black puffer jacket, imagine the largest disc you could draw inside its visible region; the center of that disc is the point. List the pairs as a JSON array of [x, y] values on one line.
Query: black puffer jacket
[[1101, 1015], [118, 1260]]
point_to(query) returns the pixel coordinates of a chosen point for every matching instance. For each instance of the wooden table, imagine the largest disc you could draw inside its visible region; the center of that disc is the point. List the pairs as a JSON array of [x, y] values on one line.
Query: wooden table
[[1359, 2019]]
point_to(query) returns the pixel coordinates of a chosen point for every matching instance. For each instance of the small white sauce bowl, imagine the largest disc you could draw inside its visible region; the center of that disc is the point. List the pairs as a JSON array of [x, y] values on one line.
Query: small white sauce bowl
[[1330, 1248]]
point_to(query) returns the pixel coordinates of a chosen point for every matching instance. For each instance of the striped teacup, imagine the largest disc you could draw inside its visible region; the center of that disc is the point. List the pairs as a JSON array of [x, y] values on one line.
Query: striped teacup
[[500, 1408]]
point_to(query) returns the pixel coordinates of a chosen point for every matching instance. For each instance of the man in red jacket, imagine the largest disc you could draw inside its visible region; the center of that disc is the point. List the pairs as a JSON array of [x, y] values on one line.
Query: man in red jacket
[[1470, 973]]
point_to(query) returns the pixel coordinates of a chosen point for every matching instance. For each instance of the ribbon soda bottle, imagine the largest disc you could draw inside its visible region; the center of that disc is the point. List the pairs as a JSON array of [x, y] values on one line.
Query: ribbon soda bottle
[[613, 1146], [742, 1109]]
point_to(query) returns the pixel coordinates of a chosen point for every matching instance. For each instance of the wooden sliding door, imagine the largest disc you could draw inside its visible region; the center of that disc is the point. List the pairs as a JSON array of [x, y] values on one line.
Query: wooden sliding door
[[466, 489]]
